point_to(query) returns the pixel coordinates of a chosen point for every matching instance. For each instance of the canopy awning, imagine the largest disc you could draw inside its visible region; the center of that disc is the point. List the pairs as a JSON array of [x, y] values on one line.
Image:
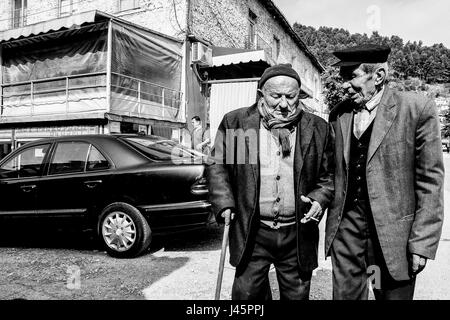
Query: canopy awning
[[70, 22], [241, 57]]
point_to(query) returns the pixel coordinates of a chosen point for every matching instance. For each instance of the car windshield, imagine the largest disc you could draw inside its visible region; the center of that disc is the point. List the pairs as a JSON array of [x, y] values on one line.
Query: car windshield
[[162, 149]]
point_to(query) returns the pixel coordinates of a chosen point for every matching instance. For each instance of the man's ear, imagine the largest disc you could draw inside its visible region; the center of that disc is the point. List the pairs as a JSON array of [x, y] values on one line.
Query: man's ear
[[380, 76], [259, 94]]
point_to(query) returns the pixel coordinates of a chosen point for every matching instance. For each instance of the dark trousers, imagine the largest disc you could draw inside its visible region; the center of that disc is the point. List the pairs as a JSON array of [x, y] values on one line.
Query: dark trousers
[[355, 253], [278, 247]]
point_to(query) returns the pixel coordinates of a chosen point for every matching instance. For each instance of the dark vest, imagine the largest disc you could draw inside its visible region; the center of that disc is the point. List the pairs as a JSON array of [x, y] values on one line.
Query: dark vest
[[357, 186]]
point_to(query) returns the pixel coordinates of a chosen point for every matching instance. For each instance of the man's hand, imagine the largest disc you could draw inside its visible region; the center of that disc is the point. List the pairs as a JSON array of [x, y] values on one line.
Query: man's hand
[[314, 213], [228, 216], [417, 263]]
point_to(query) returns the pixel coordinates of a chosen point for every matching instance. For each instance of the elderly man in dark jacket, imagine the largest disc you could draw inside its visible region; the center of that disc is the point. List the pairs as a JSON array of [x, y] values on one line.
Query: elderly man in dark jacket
[[273, 174]]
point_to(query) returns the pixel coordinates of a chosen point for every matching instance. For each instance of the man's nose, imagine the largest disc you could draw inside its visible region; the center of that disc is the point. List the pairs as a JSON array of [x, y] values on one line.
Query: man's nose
[[346, 85], [283, 102]]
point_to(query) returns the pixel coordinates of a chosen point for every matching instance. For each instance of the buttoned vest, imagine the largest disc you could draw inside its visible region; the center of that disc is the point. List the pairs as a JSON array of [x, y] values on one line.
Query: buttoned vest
[[357, 184]]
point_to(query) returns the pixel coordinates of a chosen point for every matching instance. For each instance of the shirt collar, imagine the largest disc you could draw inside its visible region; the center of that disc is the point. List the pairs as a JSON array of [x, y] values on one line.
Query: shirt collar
[[375, 101]]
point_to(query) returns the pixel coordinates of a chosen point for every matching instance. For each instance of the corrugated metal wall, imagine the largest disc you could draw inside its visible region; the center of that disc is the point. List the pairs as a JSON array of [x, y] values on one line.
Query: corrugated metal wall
[[228, 96]]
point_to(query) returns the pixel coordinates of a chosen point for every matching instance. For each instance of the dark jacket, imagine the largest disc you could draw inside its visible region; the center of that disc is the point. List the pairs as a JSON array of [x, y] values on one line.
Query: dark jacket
[[404, 173], [234, 182]]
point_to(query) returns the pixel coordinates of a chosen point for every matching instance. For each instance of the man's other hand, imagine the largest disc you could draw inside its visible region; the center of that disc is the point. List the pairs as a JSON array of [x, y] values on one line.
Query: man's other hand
[[417, 263], [228, 216]]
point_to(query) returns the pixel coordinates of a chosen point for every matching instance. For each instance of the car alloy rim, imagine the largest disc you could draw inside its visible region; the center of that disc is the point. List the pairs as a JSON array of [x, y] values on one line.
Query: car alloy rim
[[119, 231]]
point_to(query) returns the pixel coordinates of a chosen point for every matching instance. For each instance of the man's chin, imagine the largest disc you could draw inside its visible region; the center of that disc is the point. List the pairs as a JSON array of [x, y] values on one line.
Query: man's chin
[[356, 101]]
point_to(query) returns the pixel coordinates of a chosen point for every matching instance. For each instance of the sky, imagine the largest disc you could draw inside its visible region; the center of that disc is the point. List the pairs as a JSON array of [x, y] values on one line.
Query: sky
[[414, 20]]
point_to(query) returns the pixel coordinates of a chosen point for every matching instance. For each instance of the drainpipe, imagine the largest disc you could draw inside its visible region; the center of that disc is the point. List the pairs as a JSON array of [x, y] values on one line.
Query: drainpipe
[[188, 17], [108, 66]]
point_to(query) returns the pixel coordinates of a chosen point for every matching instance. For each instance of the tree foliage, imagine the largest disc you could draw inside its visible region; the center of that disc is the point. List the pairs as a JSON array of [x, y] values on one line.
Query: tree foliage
[[412, 65]]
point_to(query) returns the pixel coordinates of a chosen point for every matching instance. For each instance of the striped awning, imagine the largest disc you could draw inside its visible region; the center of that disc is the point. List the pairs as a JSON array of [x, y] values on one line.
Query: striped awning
[[242, 57], [66, 23]]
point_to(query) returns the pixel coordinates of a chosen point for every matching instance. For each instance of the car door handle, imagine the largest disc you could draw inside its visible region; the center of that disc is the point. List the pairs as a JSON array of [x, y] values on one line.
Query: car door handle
[[92, 184], [28, 188]]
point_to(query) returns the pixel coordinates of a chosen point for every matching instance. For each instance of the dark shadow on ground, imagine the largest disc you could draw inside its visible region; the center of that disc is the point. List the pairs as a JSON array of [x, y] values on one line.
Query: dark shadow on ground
[[39, 235], [204, 239]]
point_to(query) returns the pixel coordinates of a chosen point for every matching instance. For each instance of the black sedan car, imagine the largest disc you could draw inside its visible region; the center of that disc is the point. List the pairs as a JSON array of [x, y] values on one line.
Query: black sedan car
[[127, 187]]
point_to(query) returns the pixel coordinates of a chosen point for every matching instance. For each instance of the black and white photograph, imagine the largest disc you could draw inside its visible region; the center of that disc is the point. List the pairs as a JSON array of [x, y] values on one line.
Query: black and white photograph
[[232, 150]]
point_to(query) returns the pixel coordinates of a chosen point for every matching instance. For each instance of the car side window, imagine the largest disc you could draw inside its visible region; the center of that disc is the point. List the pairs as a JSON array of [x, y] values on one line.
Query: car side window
[[96, 160], [27, 163], [69, 157]]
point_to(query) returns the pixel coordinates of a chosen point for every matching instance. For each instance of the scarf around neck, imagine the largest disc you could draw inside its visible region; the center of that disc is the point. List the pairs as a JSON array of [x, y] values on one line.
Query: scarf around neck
[[280, 128]]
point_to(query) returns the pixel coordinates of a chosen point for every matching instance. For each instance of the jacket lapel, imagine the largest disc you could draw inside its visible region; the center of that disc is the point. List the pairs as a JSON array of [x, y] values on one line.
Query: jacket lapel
[[387, 110], [304, 135], [252, 122], [346, 128]]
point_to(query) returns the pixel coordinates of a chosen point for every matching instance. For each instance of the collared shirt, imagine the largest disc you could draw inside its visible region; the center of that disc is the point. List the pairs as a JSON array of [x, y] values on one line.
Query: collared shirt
[[277, 199], [364, 117], [196, 137]]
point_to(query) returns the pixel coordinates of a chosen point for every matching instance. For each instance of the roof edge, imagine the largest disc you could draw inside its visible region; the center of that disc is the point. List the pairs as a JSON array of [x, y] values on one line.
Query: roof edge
[[292, 33]]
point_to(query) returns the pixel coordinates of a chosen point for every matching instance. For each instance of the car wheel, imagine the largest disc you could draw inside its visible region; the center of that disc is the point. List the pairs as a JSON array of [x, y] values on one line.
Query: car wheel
[[124, 231]]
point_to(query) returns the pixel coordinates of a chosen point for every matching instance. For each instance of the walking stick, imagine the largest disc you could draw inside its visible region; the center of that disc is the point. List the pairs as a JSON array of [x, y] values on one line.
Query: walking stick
[[223, 253]]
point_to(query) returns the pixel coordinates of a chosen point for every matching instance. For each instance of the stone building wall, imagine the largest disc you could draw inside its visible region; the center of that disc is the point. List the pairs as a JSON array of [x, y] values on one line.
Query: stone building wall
[[226, 22]]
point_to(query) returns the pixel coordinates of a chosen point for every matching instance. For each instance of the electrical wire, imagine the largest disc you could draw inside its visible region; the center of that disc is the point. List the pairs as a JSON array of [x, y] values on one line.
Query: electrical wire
[[176, 17]]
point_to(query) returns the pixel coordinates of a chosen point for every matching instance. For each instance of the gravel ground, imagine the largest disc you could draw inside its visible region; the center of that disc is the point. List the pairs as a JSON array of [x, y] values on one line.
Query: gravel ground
[[62, 265]]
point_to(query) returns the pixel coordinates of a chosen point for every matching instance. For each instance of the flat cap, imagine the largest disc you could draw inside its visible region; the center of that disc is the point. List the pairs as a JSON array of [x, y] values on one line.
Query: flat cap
[[279, 70], [367, 53]]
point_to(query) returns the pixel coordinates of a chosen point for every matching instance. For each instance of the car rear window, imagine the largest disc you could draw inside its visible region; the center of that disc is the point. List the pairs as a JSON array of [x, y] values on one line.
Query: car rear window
[[161, 149], [96, 161]]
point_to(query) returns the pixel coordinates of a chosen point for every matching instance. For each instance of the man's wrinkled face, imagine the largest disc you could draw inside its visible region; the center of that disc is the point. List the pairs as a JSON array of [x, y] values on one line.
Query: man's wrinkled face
[[358, 85], [281, 94]]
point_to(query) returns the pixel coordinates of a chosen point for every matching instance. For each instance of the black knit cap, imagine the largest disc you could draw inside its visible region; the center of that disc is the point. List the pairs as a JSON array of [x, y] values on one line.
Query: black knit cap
[[279, 70]]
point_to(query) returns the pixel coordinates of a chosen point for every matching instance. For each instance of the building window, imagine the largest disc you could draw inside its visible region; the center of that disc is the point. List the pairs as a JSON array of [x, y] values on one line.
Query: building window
[[251, 29], [128, 4], [19, 13], [65, 8], [276, 47]]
